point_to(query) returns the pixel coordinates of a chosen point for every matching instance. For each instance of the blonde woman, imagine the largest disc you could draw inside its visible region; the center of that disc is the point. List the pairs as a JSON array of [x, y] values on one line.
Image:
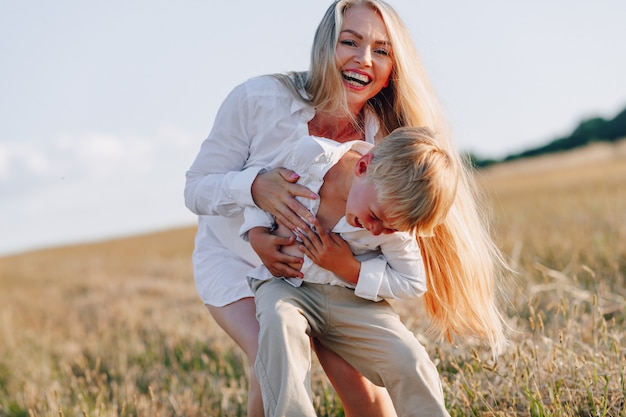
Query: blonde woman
[[365, 80]]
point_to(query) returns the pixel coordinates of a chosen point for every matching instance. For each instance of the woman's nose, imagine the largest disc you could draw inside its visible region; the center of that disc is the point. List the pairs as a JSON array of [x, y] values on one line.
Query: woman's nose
[[364, 56]]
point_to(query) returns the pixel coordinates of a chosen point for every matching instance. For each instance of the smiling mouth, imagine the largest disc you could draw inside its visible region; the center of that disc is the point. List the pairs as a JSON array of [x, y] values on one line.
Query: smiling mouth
[[356, 79], [358, 223]]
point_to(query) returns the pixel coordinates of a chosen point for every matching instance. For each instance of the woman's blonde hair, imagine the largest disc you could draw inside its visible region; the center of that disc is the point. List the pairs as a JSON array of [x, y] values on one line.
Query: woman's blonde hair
[[415, 180], [463, 265]]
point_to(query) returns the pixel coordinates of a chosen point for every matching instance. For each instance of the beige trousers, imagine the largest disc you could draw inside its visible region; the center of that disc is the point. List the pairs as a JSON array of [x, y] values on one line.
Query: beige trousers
[[367, 334]]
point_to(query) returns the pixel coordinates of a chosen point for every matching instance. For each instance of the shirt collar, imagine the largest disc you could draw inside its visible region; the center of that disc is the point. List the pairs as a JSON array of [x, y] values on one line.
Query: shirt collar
[[343, 226], [372, 125]]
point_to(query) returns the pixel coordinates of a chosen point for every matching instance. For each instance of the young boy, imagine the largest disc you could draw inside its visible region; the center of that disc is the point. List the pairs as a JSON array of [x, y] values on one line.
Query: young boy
[[375, 200]]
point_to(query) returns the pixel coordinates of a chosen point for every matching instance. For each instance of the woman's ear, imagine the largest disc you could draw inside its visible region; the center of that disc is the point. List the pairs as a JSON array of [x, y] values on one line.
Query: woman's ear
[[361, 165]]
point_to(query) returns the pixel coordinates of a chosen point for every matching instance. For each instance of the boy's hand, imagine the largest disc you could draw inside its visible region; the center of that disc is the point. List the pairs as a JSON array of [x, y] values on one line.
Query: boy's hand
[[267, 246], [329, 251]]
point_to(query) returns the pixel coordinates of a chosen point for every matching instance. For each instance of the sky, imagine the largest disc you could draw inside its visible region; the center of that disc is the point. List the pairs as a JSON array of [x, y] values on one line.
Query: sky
[[103, 105]]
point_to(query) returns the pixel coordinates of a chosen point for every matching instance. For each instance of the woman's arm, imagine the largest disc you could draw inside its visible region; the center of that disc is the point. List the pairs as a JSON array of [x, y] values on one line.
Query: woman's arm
[[217, 183], [220, 180], [224, 177]]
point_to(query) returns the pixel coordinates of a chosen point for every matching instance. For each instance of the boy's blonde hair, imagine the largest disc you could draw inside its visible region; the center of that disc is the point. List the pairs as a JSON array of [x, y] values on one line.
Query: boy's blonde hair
[[414, 178]]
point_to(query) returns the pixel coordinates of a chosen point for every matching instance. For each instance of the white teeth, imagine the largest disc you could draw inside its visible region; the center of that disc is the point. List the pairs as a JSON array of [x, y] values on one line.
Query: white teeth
[[353, 76]]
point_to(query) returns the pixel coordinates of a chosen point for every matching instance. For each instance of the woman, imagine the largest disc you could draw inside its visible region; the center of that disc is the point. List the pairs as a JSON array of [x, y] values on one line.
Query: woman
[[365, 80]]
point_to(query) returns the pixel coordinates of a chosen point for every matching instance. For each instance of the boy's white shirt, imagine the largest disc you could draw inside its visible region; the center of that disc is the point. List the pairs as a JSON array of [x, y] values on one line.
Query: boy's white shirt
[[391, 264]]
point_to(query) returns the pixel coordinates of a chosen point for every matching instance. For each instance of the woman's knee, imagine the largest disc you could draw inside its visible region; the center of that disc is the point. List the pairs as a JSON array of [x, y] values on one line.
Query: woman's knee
[[238, 320]]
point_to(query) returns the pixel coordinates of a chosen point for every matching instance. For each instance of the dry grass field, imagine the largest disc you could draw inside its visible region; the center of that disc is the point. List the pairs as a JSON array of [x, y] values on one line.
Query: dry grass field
[[116, 329]]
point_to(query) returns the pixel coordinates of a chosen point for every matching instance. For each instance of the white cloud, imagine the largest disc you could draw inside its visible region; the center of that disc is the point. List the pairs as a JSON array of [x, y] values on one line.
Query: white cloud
[[94, 185]]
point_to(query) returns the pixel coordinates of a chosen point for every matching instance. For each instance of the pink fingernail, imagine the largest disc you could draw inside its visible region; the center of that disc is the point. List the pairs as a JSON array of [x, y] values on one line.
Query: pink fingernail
[[294, 176]]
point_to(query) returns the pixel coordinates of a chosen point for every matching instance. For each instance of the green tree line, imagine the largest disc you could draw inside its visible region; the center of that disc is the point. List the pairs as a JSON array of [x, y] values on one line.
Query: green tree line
[[596, 129]]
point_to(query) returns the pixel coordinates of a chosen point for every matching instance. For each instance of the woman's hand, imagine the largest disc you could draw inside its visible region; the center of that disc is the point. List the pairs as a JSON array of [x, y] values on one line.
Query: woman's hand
[[329, 251], [275, 191], [267, 246]]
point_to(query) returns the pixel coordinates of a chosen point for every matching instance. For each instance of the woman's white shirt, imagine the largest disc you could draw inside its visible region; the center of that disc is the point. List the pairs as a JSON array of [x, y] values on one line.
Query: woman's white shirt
[[254, 123]]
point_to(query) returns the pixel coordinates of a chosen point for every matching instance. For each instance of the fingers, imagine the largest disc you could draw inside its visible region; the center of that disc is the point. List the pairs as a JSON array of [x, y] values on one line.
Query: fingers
[[287, 174], [318, 234], [282, 264], [309, 250], [275, 191], [289, 218], [295, 190], [298, 190], [293, 211], [335, 238], [306, 231], [286, 266], [267, 247], [312, 245], [325, 237], [282, 240], [306, 240]]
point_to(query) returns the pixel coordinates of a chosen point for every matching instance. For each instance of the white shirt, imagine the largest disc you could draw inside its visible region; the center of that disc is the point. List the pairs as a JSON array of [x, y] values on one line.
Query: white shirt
[[254, 123], [391, 264]]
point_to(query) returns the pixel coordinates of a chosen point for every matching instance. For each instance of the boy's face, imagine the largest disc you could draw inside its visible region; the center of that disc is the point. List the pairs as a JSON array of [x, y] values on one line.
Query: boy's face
[[362, 207]]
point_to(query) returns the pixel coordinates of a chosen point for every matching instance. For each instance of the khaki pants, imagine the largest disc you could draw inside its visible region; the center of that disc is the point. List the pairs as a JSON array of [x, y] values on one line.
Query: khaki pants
[[368, 335]]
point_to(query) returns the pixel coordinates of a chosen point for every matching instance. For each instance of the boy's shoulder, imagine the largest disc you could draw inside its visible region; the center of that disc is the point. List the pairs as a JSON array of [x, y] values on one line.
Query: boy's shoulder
[[308, 149], [322, 149]]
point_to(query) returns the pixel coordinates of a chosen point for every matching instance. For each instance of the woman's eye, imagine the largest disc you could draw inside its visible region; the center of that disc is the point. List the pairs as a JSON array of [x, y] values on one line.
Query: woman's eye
[[348, 42], [382, 52]]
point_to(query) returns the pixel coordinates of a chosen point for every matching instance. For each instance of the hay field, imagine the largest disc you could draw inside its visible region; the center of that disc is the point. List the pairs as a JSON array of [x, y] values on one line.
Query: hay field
[[116, 329]]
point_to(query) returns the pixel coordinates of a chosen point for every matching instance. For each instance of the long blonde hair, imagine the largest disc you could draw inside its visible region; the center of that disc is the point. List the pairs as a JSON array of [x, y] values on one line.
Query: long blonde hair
[[462, 262]]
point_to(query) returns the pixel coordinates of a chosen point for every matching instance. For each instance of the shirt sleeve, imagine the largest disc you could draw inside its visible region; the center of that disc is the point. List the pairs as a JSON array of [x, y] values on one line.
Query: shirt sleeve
[[217, 183], [254, 217], [396, 273], [291, 157]]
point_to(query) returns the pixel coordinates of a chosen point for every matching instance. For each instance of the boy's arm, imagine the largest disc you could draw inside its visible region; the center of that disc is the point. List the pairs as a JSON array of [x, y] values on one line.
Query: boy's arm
[[396, 273]]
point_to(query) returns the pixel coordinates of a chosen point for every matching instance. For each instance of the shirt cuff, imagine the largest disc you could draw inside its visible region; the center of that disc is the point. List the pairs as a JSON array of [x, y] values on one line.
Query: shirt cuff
[[370, 278], [241, 187], [254, 217]]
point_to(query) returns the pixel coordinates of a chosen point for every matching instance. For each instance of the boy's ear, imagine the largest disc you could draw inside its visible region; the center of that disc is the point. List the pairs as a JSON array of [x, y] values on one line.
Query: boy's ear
[[361, 165]]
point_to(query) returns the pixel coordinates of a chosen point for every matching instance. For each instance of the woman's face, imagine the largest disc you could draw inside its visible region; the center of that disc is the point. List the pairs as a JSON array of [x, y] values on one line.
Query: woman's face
[[363, 55]]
